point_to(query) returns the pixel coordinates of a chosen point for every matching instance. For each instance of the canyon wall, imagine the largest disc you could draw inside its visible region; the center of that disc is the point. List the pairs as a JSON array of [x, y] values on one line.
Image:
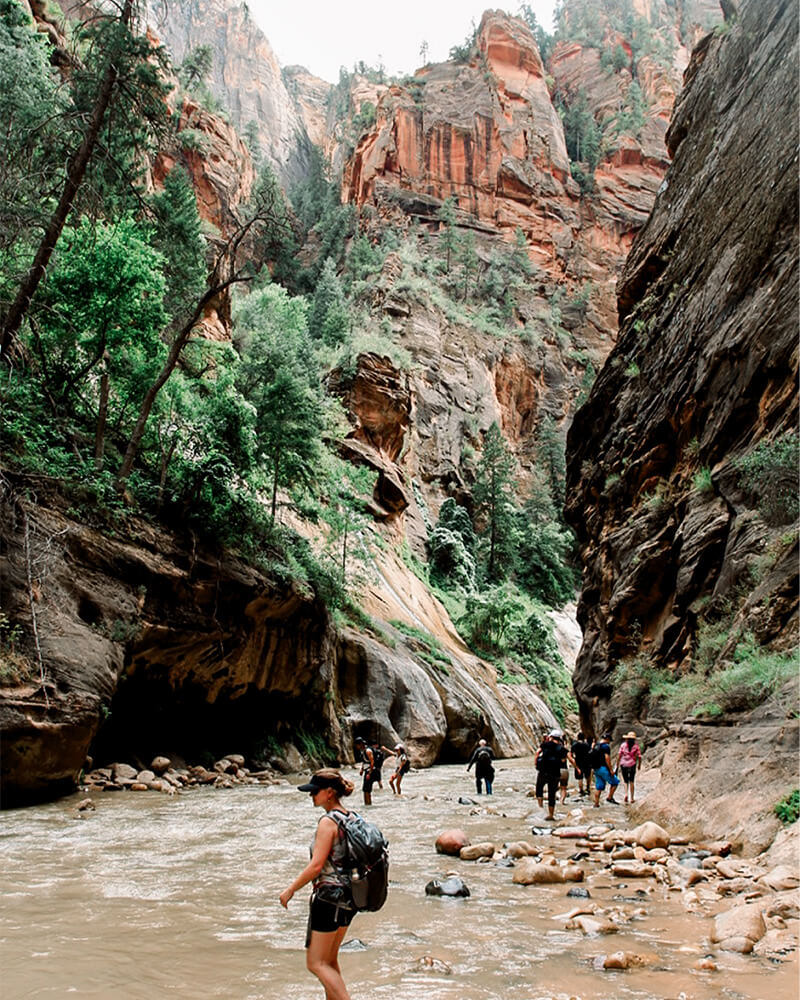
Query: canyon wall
[[704, 372], [245, 76]]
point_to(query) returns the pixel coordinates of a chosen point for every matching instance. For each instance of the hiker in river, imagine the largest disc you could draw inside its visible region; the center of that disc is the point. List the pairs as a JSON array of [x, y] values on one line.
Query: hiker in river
[[581, 750], [365, 754], [331, 908], [629, 760], [401, 767], [482, 758], [550, 759], [604, 770]]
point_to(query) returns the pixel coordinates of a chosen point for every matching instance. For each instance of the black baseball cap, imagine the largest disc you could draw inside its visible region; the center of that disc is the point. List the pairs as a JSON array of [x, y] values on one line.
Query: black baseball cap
[[317, 783]]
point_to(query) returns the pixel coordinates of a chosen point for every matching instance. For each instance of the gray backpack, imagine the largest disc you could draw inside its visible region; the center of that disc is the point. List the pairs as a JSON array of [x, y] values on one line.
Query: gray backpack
[[368, 860]]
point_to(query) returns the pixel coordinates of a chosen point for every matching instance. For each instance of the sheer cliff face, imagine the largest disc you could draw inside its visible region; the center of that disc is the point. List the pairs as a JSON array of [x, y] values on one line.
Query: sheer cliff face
[[245, 76], [704, 369]]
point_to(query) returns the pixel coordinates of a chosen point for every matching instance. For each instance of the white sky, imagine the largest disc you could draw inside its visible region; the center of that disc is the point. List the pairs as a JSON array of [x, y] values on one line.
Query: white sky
[[322, 36]]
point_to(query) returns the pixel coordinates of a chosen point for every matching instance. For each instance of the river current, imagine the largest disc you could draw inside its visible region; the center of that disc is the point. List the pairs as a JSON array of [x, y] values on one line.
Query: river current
[[149, 897]]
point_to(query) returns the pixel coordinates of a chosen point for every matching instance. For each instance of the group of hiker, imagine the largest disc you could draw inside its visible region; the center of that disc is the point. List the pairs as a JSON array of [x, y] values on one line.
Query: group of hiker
[[371, 758], [588, 760]]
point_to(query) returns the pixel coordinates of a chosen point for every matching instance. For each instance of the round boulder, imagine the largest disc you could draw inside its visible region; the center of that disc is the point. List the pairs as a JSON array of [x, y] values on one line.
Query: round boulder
[[451, 842], [650, 835]]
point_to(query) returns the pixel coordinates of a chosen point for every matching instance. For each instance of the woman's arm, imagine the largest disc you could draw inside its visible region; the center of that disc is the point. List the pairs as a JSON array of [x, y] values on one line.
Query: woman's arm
[[323, 845]]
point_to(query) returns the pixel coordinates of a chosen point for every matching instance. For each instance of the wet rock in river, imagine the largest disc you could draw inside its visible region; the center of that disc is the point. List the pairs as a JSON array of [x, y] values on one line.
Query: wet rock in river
[[780, 878], [451, 842], [160, 764], [740, 928], [464, 801], [591, 925], [474, 851], [625, 960], [145, 777], [579, 892], [632, 869], [520, 849], [430, 964], [451, 886], [122, 773], [530, 872], [706, 964], [650, 835], [354, 944]]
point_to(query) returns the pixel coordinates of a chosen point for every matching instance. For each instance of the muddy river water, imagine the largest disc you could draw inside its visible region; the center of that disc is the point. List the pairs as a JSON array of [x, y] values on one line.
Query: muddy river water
[[150, 897]]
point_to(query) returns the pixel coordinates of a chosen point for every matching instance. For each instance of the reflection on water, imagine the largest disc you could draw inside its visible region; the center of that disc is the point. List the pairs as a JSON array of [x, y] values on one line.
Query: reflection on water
[[177, 897]]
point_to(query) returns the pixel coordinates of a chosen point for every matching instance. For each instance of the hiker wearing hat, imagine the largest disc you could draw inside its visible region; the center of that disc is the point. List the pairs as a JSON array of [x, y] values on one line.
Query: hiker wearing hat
[[628, 760], [401, 767], [331, 909]]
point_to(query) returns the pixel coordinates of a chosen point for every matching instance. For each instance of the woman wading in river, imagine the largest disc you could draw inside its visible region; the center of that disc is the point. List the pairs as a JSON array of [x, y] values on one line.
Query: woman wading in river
[[331, 902]]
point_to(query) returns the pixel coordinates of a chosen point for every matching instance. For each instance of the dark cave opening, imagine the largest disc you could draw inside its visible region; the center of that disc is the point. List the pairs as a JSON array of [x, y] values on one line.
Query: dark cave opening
[[147, 717]]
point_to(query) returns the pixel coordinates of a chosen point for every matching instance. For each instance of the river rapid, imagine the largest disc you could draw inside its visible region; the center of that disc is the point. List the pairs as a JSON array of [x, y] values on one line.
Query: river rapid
[[151, 896]]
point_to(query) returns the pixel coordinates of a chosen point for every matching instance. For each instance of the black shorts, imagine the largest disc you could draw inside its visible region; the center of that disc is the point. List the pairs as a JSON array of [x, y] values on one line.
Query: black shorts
[[369, 780], [326, 917], [628, 774]]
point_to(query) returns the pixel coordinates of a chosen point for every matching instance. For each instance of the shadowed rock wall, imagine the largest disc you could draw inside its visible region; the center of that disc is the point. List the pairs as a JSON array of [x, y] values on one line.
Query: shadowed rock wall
[[705, 368]]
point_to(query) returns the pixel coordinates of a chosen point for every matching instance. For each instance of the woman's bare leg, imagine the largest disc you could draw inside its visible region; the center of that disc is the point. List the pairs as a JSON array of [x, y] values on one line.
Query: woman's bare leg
[[322, 959]]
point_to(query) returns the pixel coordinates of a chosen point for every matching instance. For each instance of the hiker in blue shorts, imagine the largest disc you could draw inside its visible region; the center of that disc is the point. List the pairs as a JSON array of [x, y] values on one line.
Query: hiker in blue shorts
[[604, 771]]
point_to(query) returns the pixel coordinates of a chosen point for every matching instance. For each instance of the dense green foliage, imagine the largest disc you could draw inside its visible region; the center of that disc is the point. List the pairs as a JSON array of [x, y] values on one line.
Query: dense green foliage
[[769, 473], [788, 809]]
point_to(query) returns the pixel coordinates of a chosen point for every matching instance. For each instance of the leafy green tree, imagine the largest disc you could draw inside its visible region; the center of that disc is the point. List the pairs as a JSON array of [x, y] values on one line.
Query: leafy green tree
[[32, 106], [280, 379], [551, 448], [452, 548], [468, 260], [494, 506], [489, 617], [120, 72], [544, 41], [98, 337], [581, 132], [363, 261], [346, 490], [196, 66], [179, 239], [329, 320]]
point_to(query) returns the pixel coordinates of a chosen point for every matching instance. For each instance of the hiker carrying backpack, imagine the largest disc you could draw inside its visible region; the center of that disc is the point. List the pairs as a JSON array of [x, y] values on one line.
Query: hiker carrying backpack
[[367, 859], [349, 868]]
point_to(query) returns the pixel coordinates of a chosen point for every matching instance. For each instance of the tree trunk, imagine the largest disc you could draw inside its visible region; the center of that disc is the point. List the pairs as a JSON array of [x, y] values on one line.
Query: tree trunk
[[102, 416], [75, 174], [168, 368]]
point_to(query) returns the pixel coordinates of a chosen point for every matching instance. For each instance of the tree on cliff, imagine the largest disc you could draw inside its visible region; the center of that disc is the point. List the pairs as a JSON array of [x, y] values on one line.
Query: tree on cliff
[[493, 495], [118, 70], [280, 378]]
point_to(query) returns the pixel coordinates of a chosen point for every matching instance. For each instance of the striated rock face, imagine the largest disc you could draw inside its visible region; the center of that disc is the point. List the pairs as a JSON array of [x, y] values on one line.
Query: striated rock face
[[245, 76], [310, 96], [486, 134], [705, 368]]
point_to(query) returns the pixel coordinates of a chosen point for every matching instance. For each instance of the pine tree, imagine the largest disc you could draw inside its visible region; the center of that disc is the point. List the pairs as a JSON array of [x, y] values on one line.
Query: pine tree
[[329, 320], [494, 505]]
